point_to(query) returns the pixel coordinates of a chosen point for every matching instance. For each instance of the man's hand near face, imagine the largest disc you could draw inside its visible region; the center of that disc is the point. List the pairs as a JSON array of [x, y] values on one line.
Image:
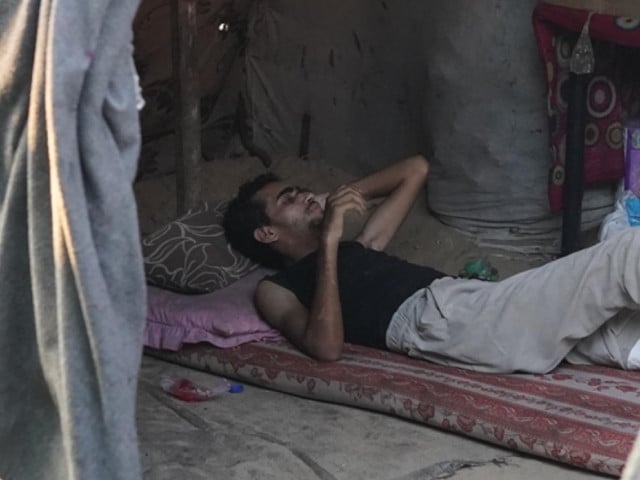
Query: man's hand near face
[[344, 199]]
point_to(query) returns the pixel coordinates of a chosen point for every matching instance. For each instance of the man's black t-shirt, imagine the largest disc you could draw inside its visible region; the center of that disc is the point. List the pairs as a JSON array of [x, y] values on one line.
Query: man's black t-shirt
[[372, 285]]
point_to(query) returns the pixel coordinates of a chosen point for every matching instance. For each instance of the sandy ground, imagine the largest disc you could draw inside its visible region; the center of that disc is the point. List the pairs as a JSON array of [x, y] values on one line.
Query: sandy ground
[[261, 434]]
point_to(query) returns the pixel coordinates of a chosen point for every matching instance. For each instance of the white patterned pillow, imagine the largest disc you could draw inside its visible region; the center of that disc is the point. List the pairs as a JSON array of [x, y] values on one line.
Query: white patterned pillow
[[191, 254]]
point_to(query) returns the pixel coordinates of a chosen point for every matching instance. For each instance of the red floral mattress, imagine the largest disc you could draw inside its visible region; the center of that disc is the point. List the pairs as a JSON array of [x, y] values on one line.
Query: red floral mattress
[[585, 416]]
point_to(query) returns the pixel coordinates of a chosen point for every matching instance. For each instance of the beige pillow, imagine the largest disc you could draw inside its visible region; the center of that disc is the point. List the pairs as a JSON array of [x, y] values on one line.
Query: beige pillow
[[191, 254]]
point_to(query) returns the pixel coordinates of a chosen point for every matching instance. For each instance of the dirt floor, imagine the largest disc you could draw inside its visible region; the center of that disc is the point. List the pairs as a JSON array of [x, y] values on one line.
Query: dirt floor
[[260, 434]]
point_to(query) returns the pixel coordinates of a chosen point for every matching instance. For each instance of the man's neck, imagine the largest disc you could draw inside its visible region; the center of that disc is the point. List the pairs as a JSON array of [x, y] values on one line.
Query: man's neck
[[298, 248]]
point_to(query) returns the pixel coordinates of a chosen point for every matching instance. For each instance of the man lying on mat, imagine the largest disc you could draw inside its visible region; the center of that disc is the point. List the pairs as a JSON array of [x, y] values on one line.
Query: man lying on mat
[[583, 307]]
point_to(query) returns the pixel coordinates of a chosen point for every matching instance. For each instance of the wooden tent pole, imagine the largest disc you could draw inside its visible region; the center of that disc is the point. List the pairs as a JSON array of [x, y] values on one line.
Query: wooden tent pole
[[188, 146]]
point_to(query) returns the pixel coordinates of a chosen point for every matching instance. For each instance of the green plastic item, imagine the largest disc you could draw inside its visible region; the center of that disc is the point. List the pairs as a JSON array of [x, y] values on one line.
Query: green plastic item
[[479, 269]]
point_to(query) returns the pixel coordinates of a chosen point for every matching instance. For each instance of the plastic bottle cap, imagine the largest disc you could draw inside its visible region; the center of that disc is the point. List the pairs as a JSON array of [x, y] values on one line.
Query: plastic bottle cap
[[236, 388]]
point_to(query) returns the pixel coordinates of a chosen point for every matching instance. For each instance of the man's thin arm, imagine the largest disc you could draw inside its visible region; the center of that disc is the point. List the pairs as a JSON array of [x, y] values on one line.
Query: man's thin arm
[[400, 183], [325, 330], [319, 333]]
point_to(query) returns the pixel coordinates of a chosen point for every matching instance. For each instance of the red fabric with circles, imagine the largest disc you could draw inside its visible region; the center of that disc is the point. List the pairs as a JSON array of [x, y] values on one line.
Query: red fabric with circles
[[556, 29]]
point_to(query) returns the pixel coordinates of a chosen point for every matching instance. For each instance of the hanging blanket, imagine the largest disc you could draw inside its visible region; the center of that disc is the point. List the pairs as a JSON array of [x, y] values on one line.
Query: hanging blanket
[[72, 301]]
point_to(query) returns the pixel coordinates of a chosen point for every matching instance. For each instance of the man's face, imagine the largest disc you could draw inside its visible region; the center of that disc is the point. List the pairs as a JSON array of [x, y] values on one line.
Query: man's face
[[290, 206]]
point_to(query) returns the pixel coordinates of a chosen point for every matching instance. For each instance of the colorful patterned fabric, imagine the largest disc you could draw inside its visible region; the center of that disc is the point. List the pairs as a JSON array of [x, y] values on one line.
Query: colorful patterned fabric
[[584, 416], [556, 29]]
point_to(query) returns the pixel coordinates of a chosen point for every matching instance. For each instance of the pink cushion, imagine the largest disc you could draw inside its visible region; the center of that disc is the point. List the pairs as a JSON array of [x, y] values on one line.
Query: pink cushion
[[225, 318]]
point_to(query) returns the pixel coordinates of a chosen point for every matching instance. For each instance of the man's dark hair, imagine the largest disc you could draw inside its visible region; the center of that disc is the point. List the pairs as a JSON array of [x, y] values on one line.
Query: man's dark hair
[[244, 214]]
